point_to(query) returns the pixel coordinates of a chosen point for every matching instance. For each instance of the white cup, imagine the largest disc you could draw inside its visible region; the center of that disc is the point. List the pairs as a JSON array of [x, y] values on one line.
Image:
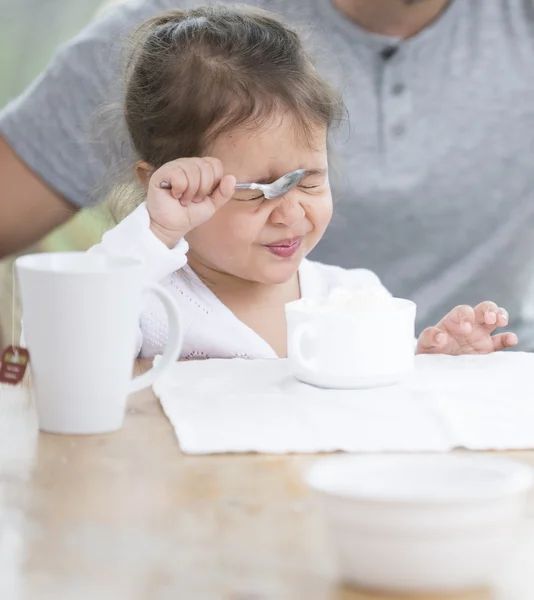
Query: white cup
[[351, 348], [80, 321]]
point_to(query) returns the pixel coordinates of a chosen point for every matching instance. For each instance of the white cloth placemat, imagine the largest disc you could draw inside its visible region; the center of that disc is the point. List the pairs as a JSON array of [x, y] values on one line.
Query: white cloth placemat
[[477, 402]]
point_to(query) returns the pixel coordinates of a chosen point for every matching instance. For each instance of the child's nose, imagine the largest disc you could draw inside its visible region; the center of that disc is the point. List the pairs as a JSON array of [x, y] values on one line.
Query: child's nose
[[288, 211]]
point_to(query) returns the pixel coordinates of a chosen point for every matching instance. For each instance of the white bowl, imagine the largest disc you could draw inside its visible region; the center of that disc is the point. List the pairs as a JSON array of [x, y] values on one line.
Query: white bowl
[[421, 523]]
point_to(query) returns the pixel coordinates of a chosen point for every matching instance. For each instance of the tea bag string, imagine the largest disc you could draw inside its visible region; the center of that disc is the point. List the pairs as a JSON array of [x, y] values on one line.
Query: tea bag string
[[15, 351], [13, 299]]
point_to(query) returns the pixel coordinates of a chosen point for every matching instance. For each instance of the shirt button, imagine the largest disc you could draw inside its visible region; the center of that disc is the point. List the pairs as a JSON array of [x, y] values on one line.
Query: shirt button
[[397, 89], [398, 130], [388, 52]]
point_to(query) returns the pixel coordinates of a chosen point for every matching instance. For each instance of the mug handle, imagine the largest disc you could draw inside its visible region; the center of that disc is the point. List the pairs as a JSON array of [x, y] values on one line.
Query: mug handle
[[174, 342], [301, 331]]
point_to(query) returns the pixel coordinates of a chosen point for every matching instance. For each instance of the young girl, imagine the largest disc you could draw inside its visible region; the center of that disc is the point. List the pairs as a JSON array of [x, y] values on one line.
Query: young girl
[[222, 94]]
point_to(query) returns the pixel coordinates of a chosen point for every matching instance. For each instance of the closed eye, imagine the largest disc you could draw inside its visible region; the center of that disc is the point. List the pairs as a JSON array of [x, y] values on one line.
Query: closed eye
[[303, 187], [262, 197], [249, 198]]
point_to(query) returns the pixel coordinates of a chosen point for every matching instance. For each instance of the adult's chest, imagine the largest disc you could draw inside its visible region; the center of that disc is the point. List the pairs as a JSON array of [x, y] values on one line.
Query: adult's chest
[[438, 138], [455, 127], [437, 156]]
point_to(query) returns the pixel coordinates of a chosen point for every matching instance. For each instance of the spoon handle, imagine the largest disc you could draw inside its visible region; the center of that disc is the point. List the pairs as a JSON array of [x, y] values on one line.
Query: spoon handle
[[165, 185]]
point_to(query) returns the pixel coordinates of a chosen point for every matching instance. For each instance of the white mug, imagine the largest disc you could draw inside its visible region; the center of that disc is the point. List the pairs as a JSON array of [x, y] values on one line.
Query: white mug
[[80, 320], [351, 349]]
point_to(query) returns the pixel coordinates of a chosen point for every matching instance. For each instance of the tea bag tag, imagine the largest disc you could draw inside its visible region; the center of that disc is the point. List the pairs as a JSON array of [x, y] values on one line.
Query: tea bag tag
[[14, 363]]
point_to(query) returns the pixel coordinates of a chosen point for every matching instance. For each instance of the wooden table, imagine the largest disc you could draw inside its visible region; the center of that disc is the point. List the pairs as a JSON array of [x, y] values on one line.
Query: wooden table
[[127, 517]]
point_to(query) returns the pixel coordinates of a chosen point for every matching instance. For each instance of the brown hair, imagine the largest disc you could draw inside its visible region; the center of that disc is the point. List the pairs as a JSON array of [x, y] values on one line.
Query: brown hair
[[195, 74]]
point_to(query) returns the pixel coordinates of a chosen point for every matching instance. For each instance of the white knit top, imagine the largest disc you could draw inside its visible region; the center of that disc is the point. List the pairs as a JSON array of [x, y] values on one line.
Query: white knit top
[[211, 329]]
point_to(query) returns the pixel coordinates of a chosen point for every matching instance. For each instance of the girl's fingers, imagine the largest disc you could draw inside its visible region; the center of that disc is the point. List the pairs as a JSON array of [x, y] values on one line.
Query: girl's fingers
[[504, 340], [192, 172], [173, 180], [191, 179], [460, 321], [207, 181], [215, 168], [218, 171], [490, 316], [224, 191], [502, 317], [486, 313], [433, 338]]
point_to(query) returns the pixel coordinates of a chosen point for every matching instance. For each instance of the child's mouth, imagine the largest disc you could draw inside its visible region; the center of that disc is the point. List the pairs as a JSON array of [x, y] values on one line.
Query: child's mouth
[[285, 248]]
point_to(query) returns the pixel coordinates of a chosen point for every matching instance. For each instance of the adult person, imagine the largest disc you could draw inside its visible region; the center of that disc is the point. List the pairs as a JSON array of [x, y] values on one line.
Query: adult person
[[434, 177]]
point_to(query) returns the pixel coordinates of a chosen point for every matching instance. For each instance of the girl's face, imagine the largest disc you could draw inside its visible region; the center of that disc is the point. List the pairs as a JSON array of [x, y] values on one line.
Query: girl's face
[[263, 240]]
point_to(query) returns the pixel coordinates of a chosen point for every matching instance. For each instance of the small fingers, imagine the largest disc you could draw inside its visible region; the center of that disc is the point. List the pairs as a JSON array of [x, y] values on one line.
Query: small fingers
[[487, 313], [207, 181], [192, 172], [172, 179], [504, 340], [191, 179], [502, 317], [490, 316], [224, 191], [217, 167], [432, 339], [460, 321]]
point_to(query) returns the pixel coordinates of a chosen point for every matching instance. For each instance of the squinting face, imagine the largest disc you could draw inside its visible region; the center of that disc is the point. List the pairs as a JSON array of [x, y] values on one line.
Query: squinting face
[[263, 240]]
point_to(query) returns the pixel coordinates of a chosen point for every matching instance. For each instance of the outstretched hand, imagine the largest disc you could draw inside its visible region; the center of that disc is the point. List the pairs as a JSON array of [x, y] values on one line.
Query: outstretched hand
[[468, 330]]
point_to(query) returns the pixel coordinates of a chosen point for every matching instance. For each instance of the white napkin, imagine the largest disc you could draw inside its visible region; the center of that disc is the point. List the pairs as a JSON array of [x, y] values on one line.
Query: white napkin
[[477, 402]]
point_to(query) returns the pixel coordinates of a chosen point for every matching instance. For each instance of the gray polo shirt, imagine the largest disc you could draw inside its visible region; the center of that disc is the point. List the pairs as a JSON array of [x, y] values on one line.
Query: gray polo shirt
[[434, 179]]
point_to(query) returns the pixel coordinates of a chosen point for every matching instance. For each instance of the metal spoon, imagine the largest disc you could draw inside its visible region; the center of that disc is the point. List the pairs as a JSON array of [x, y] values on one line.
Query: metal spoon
[[277, 188], [270, 190]]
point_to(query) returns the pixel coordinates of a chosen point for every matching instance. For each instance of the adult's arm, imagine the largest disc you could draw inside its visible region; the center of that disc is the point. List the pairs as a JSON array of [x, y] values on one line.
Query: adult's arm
[[29, 208]]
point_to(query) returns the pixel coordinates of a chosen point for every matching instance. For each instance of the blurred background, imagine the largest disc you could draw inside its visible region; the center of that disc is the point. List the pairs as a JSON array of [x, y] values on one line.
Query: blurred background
[[30, 32]]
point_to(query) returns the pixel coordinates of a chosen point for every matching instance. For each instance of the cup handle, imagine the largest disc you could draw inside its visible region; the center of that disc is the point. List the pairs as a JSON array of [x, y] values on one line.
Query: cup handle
[[174, 341], [301, 331]]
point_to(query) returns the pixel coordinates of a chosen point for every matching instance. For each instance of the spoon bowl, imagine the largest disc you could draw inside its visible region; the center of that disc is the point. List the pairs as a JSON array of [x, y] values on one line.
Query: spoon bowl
[[277, 188]]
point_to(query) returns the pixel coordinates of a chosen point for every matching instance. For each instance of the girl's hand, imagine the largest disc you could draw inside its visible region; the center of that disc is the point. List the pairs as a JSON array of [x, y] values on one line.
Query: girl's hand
[[467, 330], [198, 189]]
